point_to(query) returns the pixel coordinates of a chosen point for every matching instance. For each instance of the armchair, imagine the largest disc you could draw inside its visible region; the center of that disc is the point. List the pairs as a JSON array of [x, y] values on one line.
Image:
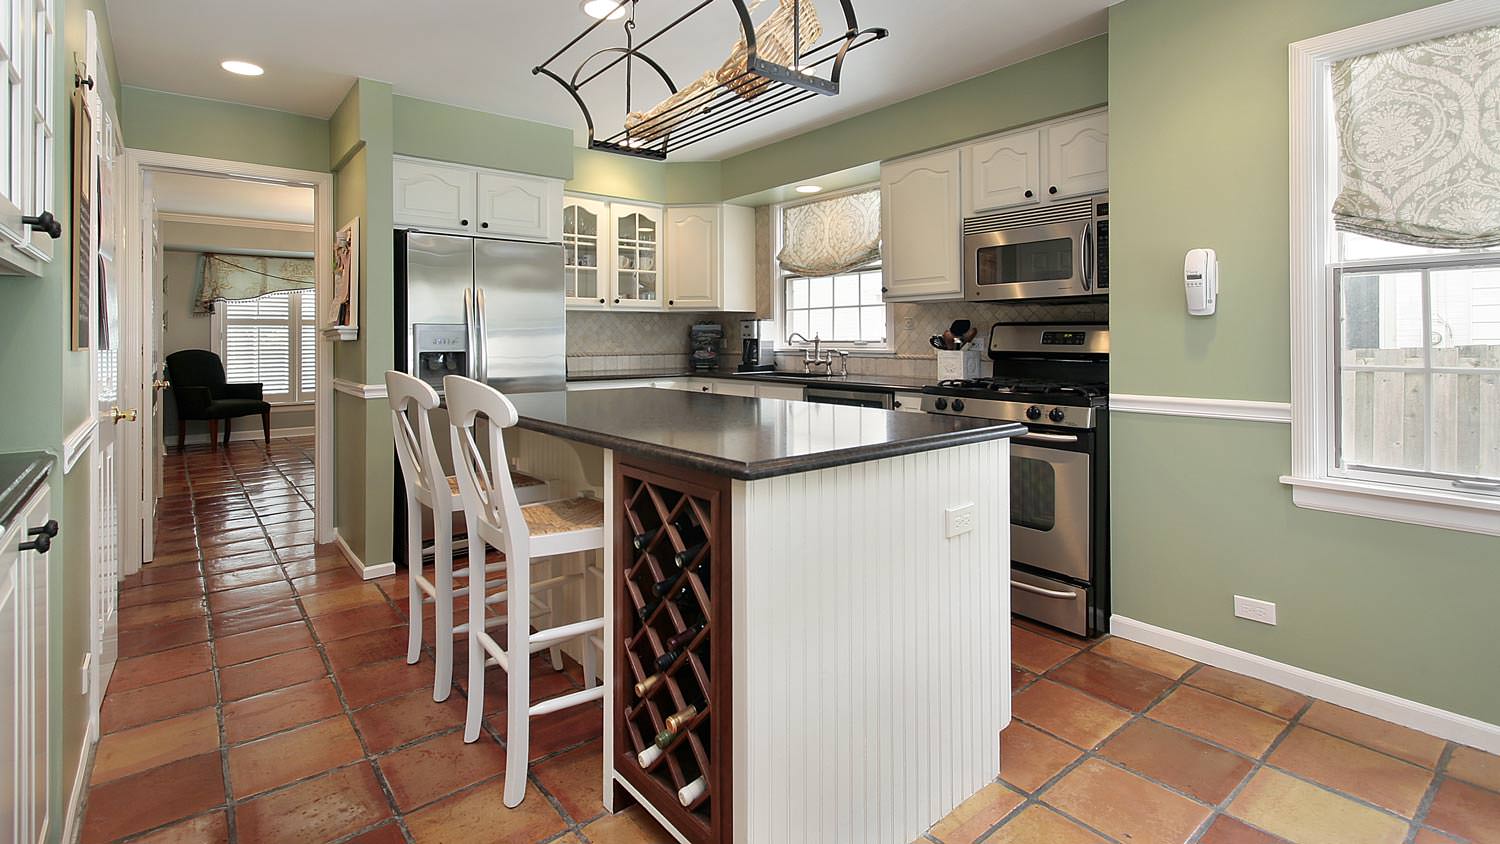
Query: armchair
[[201, 393]]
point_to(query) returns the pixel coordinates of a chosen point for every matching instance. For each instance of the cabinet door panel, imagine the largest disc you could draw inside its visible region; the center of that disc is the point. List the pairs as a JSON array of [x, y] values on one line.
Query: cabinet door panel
[[13, 756], [587, 276], [520, 206], [434, 196], [693, 257], [919, 206], [734, 388], [1078, 156], [1003, 172], [637, 262]]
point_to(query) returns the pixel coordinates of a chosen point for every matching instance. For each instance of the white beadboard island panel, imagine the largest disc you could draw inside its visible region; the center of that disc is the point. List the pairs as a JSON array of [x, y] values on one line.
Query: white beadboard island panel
[[872, 654]]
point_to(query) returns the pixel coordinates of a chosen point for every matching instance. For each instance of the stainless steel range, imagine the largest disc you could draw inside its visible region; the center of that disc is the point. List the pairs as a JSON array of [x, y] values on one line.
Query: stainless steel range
[[1053, 379]]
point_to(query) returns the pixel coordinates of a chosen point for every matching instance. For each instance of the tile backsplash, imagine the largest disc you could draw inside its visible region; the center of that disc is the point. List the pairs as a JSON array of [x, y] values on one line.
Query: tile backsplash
[[620, 340]]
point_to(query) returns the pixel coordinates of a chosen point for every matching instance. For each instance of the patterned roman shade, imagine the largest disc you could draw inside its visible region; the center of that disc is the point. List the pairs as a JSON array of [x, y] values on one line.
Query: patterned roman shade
[[832, 235], [238, 277], [1419, 142]]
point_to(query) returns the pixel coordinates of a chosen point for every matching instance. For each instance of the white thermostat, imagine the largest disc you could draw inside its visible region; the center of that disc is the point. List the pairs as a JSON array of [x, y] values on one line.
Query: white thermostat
[[1200, 281]]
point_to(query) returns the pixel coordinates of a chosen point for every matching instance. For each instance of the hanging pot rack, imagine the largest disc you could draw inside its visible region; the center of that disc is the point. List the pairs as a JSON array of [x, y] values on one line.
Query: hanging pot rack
[[713, 104]]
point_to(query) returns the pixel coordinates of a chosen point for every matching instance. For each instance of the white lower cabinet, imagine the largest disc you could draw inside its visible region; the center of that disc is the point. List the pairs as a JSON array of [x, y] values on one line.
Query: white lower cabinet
[[25, 580], [736, 388], [779, 391]]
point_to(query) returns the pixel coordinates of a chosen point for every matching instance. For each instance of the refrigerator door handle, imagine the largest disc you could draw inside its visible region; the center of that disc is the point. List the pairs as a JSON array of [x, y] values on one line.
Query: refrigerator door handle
[[481, 351], [469, 332]]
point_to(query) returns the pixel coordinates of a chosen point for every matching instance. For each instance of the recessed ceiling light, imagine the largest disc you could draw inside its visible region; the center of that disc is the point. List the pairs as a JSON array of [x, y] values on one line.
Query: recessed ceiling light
[[610, 9], [807, 189], [242, 68]]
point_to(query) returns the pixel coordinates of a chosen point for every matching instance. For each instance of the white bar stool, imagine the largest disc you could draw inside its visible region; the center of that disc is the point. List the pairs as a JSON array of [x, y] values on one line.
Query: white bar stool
[[411, 400], [524, 534]]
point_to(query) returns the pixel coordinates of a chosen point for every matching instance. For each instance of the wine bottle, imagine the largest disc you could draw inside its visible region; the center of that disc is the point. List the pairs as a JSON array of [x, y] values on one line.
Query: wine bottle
[[665, 661], [646, 686], [682, 639], [692, 791], [683, 599], [664, 586], [679, 719], [644, 538], [664, 738], [649, 755], [685, 557]]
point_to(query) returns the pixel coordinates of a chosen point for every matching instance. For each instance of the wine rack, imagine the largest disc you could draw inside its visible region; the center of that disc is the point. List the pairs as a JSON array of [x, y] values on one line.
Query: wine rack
[[672, 646]]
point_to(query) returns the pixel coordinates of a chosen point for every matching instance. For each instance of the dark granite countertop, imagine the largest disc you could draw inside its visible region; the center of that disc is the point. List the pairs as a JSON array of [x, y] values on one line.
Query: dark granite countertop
[[744, 438], [877, 383], [21, 473]]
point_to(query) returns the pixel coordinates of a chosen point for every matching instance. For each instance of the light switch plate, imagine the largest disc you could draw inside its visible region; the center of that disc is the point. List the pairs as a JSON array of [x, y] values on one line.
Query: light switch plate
[[958, 520], [1254, 609]]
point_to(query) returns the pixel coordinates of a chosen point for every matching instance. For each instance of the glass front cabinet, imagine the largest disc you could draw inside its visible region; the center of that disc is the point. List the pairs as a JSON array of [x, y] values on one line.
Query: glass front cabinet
[[611, 255]]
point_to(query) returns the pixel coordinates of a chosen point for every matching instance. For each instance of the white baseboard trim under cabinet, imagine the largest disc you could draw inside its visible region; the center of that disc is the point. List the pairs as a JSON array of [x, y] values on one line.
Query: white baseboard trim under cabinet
[[258, 434], [1408, 713], [367, 572]]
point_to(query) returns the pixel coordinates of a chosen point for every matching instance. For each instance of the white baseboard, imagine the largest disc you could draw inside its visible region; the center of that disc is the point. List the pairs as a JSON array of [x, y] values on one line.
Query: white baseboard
[[368, 572], [73, 820], [258, 434], [1408, 713]]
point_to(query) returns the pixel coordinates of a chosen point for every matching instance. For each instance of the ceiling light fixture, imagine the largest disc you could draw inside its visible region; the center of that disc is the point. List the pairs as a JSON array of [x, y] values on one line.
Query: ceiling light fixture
[[606, 9], [242, 68], [807, 189]]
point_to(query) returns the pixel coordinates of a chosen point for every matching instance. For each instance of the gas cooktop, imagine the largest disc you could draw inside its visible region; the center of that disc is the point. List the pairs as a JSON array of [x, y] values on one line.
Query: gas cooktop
[[1022, 389]]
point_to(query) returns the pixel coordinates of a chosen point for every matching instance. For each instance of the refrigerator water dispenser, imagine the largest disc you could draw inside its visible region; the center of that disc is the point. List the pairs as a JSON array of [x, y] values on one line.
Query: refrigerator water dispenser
[[440, 350]]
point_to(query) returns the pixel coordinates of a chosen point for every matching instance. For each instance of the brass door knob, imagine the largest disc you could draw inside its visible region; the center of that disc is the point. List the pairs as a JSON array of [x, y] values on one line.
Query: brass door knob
[[161, 384], [122, 415]]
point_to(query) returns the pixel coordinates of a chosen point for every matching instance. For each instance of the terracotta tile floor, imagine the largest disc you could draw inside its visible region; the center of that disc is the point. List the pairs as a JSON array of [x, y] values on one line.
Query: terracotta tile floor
[[263, 696]]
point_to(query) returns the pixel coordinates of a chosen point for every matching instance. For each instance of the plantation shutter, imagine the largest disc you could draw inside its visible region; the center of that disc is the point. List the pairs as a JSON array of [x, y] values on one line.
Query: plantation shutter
[[258, 343], [308, 346], [1418, 161]]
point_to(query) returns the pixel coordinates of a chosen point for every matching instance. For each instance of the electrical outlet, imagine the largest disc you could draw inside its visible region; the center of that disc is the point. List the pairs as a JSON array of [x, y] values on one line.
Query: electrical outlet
[[1255, 610], [958, 520], [88, 661], [909, 323]]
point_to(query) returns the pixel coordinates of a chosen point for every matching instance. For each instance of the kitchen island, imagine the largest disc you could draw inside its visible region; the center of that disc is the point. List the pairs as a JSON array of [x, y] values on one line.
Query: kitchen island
[[806, 607]]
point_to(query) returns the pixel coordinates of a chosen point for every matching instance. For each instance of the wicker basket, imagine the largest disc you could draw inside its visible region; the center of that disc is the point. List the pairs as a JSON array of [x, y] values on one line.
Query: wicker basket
[[775, 41], [699, 92]]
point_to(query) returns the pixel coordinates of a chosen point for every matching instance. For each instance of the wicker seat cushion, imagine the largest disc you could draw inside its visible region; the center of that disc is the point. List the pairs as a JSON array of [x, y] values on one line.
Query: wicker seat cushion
[[563, 516]]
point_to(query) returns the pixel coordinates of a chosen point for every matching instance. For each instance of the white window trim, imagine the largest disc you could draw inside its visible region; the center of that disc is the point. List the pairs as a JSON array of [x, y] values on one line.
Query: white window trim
[[778, 286], [217, 330], [1313, 187]]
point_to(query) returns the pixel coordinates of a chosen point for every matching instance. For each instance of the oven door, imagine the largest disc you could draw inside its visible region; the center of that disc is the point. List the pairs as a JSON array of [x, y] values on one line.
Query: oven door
[[1050, 509], [1036, 262]]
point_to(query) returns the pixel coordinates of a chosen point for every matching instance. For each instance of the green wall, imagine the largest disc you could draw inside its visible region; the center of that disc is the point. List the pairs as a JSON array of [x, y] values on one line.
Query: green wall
[[1061, 82], [194, 126], [1199, 158], [466, 136]]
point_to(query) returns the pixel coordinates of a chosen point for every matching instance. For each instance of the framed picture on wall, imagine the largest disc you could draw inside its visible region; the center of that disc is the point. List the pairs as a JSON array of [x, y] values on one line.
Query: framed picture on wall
[[343, 310]]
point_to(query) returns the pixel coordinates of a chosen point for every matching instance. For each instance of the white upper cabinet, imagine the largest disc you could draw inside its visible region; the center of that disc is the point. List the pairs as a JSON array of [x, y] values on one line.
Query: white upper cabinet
[[921, 228], [429, 195], [1078, 156], [524, 207], [433, 196], [693, 257], [637, 264], [586, 251], [1002, 172]]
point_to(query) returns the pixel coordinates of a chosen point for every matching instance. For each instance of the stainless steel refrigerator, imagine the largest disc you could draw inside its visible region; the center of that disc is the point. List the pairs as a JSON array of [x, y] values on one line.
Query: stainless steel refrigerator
[[488, 309]]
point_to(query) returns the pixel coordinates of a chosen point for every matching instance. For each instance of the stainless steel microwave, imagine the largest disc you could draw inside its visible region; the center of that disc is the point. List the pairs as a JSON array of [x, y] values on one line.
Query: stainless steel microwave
[[1048, 252]]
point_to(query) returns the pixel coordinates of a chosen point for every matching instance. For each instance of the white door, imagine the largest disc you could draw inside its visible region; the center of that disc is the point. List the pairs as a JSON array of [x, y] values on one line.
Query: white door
[[1078, 156], [1002, 172], [524, 207], [637, 239], [921, 231], [433, 196], [586, 253], [693, 258]]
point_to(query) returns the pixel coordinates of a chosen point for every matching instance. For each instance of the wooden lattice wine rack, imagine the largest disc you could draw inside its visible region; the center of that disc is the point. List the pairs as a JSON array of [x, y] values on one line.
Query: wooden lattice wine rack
[[672, 645]]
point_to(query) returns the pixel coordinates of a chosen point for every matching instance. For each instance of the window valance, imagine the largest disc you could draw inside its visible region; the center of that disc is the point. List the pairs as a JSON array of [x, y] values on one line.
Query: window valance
[[832, 235], [239, 277], [1419, 142]]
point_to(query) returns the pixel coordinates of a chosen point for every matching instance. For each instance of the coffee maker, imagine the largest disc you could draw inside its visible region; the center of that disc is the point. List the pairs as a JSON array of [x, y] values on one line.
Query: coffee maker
[[757, 346]]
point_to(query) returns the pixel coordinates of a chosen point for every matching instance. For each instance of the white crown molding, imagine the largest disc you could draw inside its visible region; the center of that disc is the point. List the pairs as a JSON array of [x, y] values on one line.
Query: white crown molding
[[1238, 409], [358, 390], [77, 443], [365, 571], [1408, 713], [236, 222]]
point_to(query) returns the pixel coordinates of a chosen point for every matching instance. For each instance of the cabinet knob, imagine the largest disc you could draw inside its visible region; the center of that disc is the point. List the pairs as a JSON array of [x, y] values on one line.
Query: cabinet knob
[[43, 542], [885, 290], [1029, 194], [671, 302], [617, 301], [484, 225], [48, 530], [463, 222], [896, 403], [44, 222], [601, 301], [1052, 189]]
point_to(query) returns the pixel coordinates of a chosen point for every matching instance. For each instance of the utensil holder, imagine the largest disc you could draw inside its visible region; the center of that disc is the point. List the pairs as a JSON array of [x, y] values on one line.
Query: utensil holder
[[959, 365]]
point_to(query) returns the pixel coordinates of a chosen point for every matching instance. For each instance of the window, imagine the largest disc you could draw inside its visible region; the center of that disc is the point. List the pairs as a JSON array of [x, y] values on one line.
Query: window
[[1396, 273], [12, 112], [840, 309], [271, 340]]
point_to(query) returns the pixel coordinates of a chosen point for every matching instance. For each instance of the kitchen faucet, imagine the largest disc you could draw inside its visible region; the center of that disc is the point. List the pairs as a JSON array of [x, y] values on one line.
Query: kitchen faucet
[[816, 358]]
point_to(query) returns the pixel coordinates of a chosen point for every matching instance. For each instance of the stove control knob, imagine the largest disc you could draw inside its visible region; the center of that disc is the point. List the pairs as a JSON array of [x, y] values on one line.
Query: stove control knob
[[1033, 413], [941, 404], [1056, 414], [958, 405]]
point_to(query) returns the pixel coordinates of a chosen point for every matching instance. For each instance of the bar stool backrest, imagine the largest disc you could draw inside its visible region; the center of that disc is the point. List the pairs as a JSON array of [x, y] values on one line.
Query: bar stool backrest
[[489, 496], [412, 400]]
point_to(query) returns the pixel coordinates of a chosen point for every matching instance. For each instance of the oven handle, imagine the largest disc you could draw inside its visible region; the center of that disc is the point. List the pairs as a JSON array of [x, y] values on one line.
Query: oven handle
[[1045, 437], [1045, 593]]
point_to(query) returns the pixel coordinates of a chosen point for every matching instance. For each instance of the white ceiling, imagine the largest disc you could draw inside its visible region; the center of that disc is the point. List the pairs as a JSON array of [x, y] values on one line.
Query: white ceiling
[[479, 53], [180, 193]]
